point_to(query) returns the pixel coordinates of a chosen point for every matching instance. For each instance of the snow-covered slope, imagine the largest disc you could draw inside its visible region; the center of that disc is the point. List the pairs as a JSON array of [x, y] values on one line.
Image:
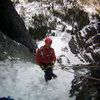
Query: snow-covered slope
[[60, 40], [87, 43], [62, 50], [25, 81]]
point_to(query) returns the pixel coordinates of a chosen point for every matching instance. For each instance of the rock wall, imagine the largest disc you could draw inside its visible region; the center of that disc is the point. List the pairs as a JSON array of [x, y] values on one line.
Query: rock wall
[[14, 32], [87, 43], [14, 50], [13, 26]]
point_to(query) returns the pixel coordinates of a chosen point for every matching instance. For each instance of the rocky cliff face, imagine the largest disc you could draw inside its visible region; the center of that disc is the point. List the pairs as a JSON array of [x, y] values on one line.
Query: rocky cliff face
[[87, 43], [86, 86], [12, 50], [13, 26]]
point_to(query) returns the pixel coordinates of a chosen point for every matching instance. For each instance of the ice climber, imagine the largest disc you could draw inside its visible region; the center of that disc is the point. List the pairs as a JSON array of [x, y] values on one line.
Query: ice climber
[[45, 57]]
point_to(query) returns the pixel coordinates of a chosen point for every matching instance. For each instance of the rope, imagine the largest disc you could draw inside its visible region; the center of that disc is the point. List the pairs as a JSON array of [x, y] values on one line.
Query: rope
[[65, 68], [81, 67], [93, 78], [86, 66]]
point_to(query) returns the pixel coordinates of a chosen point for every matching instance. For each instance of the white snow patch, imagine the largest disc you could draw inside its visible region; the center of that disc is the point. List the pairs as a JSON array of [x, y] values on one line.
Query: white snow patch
[[25, 81]]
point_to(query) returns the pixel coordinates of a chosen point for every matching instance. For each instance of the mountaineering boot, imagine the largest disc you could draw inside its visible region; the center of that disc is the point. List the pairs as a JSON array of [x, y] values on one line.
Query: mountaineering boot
[[46, 80], [47, 77], [54, 76]]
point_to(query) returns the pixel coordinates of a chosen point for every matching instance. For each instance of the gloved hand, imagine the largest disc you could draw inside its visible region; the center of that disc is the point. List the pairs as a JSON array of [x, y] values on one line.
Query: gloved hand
[[42, 67], [52, 63]]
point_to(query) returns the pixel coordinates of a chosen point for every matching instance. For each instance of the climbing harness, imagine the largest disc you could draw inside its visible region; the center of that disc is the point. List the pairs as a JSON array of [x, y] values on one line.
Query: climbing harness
[[43, 54]]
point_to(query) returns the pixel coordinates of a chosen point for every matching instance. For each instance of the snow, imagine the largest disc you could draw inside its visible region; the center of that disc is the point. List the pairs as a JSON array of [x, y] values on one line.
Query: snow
[[83, 31], [25, 81], [90, 9], [59, 43], [61, 39]]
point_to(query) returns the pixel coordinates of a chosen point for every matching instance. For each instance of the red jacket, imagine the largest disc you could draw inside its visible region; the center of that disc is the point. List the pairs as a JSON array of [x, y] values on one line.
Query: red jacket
[[45, 56]]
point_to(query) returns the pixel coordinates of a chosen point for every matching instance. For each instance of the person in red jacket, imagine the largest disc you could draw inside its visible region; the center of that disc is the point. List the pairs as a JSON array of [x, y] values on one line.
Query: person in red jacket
[[45, 57]]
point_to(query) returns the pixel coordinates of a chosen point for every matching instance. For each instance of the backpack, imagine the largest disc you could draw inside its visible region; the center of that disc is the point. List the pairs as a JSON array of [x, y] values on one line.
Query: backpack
[[42, 52]]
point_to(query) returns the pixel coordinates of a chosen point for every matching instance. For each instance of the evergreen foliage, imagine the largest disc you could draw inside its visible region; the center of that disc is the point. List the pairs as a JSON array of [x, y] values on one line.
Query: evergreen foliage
[[40, 27], [74, 16], [59, 2]]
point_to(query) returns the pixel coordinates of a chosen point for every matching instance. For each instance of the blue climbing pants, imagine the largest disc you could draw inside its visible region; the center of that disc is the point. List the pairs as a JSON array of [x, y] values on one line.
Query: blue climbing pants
[[48, 74]]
